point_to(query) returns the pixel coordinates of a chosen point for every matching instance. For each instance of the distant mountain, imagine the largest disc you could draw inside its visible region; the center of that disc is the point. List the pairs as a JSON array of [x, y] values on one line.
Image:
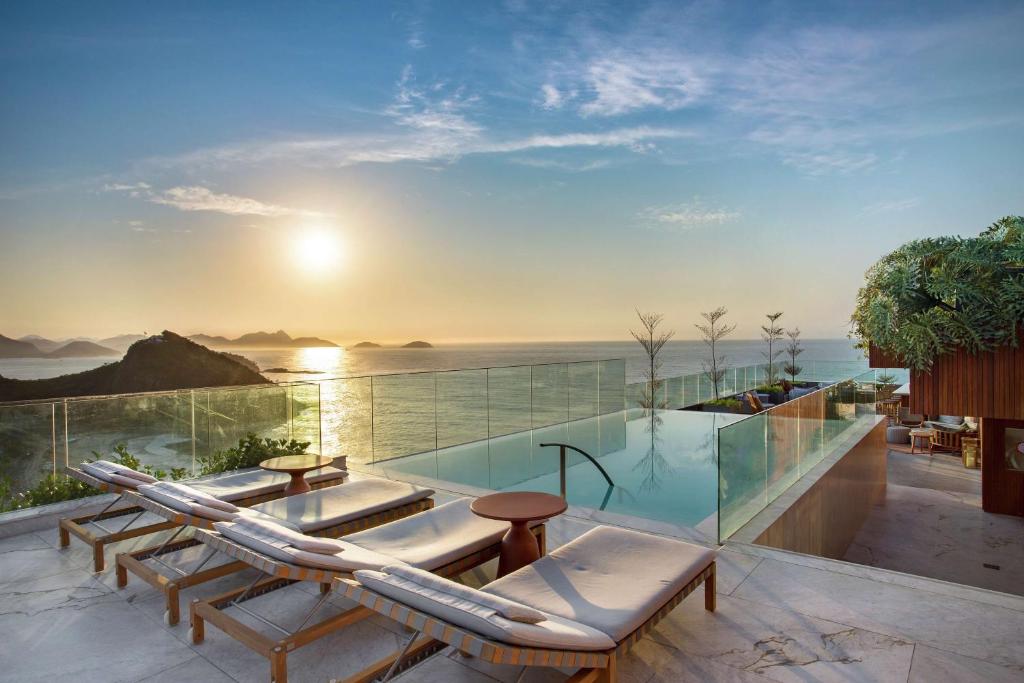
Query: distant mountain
[[42, 343], [160, 363], [82, 349], [121, 342], [261, 340], [13, 348], [366, 345], [418, 345]]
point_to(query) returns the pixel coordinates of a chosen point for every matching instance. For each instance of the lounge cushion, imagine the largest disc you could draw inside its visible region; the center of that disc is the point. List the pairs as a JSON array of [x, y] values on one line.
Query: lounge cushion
[[115, 473], [325, 546], [609, 578], [335, 505], [256, 482], [181, 502], [196, 495], [348, 559], [434, 538], [513, 611], [554, 632]]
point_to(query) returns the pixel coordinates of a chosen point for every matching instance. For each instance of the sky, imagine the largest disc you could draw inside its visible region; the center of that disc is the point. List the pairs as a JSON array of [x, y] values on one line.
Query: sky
[[488, 171]]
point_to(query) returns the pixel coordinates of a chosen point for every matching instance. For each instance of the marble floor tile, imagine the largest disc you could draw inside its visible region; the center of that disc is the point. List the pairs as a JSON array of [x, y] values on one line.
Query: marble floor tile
[[931, 665], [442, 669], [27, 557], [196, 669], [732, 568], [780, 644], [978, 630]]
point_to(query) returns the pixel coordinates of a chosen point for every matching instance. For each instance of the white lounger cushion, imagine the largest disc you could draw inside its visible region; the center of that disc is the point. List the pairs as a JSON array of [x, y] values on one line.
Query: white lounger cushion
[[553, 632], [183, 503], [513, 611], [115, 473], [271, 530], [434, 538], [609, 578], [257, 482], [347, 560], [335, 505], [173, 487]]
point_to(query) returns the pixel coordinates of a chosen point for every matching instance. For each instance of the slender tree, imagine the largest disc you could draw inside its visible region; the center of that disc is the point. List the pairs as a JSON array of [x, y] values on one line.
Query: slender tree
[[793, 349], [652, 341], [714, 330], [772, 333]]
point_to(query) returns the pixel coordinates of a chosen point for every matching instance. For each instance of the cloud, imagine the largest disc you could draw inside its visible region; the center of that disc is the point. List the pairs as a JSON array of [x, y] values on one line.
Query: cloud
[[628, 82], [563, 165], [195, 198], [891, 206], [133, 190], [553, 97], [687, 216]]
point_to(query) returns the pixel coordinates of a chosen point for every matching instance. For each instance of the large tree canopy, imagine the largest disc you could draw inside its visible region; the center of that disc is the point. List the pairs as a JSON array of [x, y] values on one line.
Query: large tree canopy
[[931, 296]]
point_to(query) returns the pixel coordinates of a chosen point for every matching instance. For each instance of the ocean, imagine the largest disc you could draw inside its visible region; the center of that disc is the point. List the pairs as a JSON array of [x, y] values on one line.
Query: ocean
[[678, 358]]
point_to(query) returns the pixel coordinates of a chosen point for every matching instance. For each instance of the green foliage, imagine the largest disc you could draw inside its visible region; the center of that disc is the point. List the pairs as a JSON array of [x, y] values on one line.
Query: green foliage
[[52, 489], [793, 349], [250, 452], [123, 457], [770, 389], [730, 403], [932, 296], [771, 334]]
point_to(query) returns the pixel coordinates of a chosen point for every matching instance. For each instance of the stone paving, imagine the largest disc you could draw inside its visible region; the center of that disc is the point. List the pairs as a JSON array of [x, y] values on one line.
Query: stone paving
[[781, 617]]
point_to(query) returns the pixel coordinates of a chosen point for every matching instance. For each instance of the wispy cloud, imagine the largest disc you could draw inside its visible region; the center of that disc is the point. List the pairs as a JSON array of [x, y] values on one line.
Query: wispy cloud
[[195, 198], [559, 165], [133, 189], [552, 97], [687, 216], [628, 82], [892, 206]]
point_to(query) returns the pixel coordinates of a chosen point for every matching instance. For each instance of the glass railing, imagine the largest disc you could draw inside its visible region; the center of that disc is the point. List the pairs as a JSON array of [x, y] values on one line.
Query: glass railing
[[165, 430], [383, 417], [761, 456]]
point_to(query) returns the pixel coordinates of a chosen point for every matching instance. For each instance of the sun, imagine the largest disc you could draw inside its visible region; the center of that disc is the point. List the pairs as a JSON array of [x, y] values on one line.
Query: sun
[[318, 250]]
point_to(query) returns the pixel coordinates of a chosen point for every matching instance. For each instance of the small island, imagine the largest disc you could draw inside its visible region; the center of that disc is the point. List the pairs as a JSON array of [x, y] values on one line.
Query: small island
[[366, 345], [418, 345]]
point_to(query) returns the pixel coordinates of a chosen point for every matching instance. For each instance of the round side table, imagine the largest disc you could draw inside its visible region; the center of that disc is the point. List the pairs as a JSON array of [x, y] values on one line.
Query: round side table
[[916, 435], [519, 508], [296, 466]]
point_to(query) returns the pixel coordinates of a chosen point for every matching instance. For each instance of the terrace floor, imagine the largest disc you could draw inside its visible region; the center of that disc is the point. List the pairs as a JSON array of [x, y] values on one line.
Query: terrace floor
[[781, 617], [931, 524]]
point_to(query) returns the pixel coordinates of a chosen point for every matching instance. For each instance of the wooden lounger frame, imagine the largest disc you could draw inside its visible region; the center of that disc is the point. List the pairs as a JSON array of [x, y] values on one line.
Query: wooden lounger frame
[[84, 527], [136, 562], [280, 574], [593, 667]]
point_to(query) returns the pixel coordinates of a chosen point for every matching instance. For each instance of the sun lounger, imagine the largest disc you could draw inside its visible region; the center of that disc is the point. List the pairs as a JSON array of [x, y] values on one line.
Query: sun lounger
[[243, 488], [447, 540], [330, 512], [583, 606]]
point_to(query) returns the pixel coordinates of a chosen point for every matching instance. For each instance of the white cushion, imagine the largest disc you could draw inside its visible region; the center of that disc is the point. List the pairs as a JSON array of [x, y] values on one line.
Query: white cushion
[[509, 609], [610, 578], [553, 632], [348, 560], [250, 483], [335, 505], [183, 503], [196, 495], [125, 476], [327, 546], [124, 471], [433, 538]]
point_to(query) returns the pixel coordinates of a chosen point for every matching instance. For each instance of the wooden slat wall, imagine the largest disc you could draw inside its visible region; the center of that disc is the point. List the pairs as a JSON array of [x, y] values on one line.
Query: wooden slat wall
[[1002, 489], [877, 358], [982, 385]]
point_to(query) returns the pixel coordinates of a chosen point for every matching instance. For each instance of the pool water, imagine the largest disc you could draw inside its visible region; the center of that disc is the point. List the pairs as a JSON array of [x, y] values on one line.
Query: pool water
[[663, 465]]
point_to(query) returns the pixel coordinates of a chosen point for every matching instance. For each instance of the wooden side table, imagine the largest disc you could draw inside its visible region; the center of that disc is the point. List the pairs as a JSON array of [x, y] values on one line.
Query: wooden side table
[[921, 434], [519, 508], [296, 466]]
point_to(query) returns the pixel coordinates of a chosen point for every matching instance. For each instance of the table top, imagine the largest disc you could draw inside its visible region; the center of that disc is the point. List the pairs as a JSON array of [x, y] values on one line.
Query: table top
[[296, 463], [518, 506]]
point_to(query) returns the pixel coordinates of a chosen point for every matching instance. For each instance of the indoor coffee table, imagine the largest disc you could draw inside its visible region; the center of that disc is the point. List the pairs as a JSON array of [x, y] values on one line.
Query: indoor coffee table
[[916, 434], [296, 466], [519, 547]]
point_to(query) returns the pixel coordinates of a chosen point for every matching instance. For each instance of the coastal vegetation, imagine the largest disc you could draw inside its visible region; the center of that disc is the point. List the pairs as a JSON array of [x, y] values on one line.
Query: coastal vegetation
[[714, 330], [792, 351], [250, 452], [771, 333], [652, 342], [931, 296]]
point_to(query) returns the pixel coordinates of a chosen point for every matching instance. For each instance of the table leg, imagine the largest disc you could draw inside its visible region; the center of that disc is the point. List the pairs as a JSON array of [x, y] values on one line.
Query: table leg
[[298, 484], [518, 549]]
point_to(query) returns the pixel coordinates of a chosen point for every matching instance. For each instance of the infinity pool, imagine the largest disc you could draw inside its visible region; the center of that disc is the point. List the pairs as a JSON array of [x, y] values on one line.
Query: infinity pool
[[663, 466]]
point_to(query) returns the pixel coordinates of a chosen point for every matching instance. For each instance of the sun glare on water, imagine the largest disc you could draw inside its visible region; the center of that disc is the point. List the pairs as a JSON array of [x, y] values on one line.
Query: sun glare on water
[[318, 250]]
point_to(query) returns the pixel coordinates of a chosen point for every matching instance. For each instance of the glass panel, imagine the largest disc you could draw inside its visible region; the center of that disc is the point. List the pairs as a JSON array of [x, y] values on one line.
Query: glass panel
[[508, 400], [783, 439], [305, 417], [550, 394], [461, 407], [742, 472], [231, 414], [674, 393], [613, 385], [27, 445], [346, 411], [403, 415]]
